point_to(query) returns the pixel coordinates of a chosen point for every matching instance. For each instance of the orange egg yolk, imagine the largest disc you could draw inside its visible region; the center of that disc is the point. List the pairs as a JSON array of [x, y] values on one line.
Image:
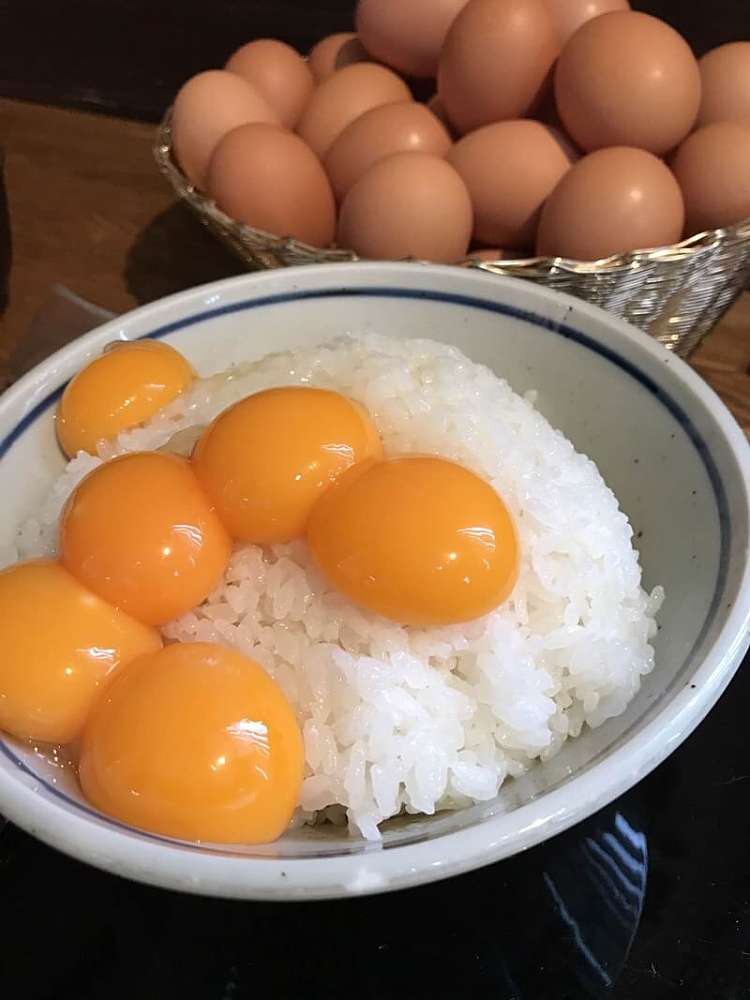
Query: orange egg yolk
[[195, 742], [60, 643], [123, 387], [267, 459], [420, 540], [140, 532]]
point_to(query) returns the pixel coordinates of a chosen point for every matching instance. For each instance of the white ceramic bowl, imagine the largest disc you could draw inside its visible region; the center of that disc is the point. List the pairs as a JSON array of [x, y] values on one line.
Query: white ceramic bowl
[[664, 442]]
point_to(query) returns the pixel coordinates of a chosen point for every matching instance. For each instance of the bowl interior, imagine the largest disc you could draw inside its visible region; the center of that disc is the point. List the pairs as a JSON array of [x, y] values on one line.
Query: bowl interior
[[616, 401]]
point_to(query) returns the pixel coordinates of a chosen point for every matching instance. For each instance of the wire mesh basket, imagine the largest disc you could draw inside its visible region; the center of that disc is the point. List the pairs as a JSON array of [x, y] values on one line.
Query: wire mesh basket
[[675, 293]]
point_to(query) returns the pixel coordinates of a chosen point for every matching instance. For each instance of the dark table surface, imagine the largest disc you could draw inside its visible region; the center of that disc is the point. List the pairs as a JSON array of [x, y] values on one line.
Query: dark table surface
[[649, 899]]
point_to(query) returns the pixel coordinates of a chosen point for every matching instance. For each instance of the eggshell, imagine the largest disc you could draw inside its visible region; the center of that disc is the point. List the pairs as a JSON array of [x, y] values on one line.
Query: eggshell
[[207, 107], [725, 75], [570, 15], [406, 34], [627, 79], [496, 61], [510, 169], [334, 52], [279, 74], [712, 166], [268, 178], [345, 96], [611, 201], [390, 128], [407, 205]]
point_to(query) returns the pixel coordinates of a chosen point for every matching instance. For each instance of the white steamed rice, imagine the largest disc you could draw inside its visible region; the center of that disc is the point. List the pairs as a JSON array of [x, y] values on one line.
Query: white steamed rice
[[405, 719]]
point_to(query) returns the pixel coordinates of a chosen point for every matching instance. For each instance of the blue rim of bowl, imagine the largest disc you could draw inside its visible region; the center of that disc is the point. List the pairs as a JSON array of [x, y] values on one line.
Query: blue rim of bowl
[[501, 309]]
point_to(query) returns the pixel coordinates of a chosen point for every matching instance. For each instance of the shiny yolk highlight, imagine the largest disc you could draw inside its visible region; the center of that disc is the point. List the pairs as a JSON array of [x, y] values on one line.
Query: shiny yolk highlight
[[195, 742], [60, 643], [420, 540], [140, 532], [123, 387], [267, 459]]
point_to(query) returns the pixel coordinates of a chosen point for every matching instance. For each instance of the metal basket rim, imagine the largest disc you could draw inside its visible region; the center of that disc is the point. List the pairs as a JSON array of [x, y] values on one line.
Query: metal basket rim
[[529, 266]]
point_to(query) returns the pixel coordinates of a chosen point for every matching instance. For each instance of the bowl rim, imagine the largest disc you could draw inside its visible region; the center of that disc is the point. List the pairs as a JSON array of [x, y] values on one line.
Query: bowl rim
[[177, 866]]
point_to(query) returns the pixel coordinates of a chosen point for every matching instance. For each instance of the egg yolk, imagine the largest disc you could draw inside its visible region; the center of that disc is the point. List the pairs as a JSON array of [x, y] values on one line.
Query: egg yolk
[[140, 532], [267, 459], [420, 540], [60, 643], [123, 387], [195, 742]]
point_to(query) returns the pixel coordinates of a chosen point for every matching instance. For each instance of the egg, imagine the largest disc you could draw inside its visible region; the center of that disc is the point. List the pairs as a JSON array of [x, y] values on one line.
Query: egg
[[611, 201], [344, 96], [712, 167], [496, 61], [509, 169], [725, 79], [570, 15], [438, 109], [278, 73], [268, 178], [139, 532], [60, 644], [627, 79], [195, 742], [418, 539], [205, 109], [390, 213], [406, 34], [390, 128], [334, 52], [122, 388], [267, 459]]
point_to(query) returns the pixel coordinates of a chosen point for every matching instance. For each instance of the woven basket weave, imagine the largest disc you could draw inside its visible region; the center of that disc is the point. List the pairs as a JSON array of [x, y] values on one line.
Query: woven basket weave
[[675, 293]]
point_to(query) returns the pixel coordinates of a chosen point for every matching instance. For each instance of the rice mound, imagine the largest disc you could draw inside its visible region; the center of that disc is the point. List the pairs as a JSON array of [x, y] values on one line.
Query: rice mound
[[410, 719]]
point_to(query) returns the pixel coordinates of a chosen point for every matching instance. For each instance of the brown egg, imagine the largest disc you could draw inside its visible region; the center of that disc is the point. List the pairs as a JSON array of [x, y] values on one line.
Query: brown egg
[[205, 109], [627, 79], [712, 167], [437, 108], [496, 61], [407, 205], [725, 75], [345, 96], [390, 128], [279, 74], [335, 52], [569, 15], [510, 169], [268, 178], [610, 202], [406, 34]]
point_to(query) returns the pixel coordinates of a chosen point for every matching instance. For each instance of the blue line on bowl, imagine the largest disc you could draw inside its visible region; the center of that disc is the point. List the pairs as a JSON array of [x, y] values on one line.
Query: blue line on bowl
[[526, 316]]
